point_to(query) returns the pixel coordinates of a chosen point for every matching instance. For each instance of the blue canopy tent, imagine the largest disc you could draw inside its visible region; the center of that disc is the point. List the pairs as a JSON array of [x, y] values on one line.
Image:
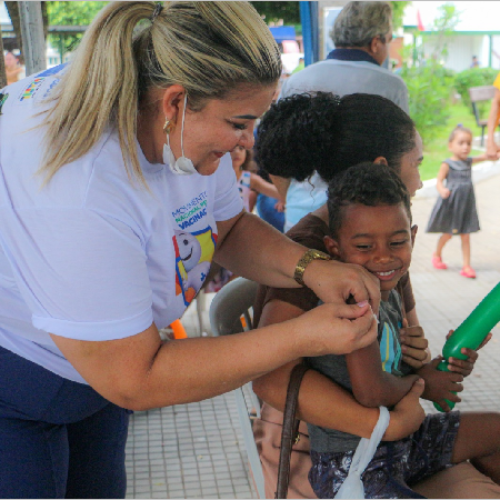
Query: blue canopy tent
[[282, 33]]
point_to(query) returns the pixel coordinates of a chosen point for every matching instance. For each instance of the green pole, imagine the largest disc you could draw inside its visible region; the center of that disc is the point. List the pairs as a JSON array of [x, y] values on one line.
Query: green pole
[[61, 48], [490, 61]]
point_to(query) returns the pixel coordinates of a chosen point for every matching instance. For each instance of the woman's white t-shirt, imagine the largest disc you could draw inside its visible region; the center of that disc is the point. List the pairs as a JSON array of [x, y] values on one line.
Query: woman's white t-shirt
[[94, 255]]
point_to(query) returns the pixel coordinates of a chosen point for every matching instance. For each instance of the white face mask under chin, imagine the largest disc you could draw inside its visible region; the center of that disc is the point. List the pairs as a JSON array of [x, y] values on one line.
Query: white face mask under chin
[[182, 166]]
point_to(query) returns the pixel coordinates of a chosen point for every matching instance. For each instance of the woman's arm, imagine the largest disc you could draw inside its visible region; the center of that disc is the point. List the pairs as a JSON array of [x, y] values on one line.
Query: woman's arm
[[253, 249], [324, 403], [141, 372], [491, 146]]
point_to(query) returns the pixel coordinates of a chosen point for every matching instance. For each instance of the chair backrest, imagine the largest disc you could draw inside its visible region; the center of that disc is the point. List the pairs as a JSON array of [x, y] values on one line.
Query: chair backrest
[[480, 94], [232, 302]]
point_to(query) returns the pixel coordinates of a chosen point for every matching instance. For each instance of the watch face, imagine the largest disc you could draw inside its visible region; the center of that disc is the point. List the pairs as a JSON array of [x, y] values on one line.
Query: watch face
[[320, 255]]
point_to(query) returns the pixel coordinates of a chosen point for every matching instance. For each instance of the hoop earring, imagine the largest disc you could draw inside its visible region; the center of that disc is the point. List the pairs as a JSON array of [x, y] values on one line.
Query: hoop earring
[[167, 127]]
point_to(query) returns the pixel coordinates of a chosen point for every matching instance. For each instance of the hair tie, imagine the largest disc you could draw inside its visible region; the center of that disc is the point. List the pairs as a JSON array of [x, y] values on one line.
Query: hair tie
[[156, 12]]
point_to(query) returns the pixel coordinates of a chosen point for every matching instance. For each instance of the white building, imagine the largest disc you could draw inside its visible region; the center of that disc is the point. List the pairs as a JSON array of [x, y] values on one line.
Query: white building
[[476, 34]]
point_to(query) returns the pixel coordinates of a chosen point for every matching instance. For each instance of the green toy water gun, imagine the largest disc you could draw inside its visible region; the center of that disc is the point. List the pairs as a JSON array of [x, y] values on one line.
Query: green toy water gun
[[471, 332]]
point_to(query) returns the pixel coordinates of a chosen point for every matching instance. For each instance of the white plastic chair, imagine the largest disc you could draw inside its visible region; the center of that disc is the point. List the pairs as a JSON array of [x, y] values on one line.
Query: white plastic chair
[[232, 302]]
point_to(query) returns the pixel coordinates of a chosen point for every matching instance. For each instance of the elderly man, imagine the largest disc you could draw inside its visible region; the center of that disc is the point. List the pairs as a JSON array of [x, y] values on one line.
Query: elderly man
[[361, 34]]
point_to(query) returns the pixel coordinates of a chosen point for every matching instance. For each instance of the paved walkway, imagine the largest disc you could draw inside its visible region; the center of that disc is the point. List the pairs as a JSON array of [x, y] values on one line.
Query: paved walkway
[[197, 451]]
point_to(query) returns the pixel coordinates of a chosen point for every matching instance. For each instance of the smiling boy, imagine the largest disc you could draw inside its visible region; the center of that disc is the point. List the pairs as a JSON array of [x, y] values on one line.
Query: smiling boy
[[370, 225]]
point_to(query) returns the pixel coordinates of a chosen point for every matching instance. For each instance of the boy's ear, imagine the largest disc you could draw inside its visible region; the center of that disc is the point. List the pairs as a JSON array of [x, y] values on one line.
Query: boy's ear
[[382, 160], [332, 246], [414, 230]]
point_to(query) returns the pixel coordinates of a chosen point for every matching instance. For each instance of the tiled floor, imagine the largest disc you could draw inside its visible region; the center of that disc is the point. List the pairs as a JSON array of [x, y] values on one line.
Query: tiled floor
[[197, 451]]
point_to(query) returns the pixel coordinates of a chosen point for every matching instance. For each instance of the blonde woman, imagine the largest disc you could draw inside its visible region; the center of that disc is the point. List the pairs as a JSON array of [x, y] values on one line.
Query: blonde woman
[[116, 192]]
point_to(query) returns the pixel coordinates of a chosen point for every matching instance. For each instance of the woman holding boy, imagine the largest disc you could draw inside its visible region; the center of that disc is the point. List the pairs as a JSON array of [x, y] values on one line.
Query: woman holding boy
[[331, 131]]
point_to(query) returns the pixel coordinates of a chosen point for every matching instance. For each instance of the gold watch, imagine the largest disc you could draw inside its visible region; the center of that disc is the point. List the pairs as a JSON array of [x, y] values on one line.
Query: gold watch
[[305, 260]]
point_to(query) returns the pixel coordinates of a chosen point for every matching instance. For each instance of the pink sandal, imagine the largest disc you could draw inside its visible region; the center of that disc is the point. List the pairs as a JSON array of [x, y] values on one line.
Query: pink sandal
[[468, 272], [438, 263]]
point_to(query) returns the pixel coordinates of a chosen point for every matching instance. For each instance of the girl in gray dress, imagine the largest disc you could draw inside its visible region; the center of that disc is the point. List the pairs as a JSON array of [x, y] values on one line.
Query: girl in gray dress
[[455, 210]]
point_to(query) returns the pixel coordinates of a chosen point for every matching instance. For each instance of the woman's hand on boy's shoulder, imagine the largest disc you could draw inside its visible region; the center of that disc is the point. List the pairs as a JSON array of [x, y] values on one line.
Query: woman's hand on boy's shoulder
[[414, 345], [439, 385]]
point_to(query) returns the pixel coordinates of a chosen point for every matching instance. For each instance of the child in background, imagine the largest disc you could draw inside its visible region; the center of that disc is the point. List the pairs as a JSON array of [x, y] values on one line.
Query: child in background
[[249, 182], [370, 225], [250, 185], [455, 210]]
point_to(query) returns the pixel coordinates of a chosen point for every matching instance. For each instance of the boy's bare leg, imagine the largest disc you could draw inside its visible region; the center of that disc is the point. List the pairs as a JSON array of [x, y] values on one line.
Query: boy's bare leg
[[478, 440]]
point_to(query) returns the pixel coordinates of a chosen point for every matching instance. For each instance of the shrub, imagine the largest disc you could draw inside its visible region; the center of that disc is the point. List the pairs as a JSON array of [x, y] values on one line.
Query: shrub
[[474, 77], [430, 89]]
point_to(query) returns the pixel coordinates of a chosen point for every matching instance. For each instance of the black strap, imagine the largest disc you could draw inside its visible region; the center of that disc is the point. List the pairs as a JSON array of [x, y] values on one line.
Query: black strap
[[290, 429]]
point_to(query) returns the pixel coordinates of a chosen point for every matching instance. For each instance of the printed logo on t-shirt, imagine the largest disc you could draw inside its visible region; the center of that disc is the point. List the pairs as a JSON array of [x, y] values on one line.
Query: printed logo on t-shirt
[[191, 212], [193, 255], [33, 88], [51, 87], [3, 98]]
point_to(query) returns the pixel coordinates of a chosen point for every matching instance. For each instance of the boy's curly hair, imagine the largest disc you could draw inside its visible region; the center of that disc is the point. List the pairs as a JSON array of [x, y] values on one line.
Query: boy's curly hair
[[327, 133], [370, 184]]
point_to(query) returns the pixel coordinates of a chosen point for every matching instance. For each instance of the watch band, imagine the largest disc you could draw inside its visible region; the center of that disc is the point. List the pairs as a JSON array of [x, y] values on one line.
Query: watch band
[[304, 261]]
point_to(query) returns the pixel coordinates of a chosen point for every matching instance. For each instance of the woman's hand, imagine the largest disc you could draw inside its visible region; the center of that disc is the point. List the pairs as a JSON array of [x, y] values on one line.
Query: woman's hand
[[407, 415], [414, 345], [334, 281], [440, 385], [334, 329], [465, 366]]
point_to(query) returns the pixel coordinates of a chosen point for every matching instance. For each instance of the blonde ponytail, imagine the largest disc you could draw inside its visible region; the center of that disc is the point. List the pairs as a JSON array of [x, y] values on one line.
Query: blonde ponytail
[[99, 87], [207, 47]]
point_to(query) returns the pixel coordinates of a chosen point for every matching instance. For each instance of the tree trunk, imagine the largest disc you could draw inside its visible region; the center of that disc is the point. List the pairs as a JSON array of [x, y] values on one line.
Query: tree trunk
[[15, 19]]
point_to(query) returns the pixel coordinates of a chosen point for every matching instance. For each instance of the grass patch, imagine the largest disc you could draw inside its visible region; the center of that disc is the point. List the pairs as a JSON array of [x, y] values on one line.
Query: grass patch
[[437, 150]]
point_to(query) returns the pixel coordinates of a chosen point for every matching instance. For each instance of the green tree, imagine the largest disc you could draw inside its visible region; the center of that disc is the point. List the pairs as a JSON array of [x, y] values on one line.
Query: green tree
[[442, 30], [71, 14], [15, 19], [430, 84], [274, 11], [398, 9]]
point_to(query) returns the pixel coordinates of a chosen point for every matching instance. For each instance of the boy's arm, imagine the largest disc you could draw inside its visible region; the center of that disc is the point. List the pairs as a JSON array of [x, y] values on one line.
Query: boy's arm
[[372, 386], [323, 402]]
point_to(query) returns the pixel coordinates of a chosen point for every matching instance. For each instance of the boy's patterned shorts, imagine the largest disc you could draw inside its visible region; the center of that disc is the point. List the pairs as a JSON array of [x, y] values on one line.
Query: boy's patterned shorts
[[396, 465]]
